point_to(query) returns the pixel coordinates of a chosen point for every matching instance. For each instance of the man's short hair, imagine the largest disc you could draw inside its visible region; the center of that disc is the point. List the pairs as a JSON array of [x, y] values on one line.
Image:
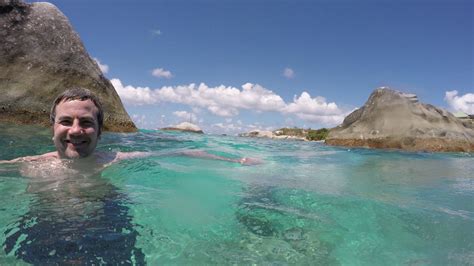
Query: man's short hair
[[81, 94]]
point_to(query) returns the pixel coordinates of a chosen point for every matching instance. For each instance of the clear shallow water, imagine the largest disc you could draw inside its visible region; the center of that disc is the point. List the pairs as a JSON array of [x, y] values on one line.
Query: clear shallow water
[[306, 204]]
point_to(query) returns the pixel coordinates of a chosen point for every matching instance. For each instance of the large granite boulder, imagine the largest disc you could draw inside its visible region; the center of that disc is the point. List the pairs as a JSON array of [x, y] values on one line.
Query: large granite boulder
[[41, 56], [392, 119], [258, 134], [184, 127]]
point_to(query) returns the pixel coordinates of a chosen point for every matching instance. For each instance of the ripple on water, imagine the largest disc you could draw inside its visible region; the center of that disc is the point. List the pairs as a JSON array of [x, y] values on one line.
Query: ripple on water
[[306, 204]]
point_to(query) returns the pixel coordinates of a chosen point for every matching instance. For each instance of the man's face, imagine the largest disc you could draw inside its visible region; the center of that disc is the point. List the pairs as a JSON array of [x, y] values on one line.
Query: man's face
[[76, 129]]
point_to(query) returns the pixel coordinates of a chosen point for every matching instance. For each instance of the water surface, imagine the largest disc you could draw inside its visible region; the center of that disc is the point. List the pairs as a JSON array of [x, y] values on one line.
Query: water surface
[[306, 204]]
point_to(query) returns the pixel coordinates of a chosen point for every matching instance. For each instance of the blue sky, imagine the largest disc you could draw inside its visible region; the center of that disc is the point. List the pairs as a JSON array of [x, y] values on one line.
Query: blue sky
[[233, 66]]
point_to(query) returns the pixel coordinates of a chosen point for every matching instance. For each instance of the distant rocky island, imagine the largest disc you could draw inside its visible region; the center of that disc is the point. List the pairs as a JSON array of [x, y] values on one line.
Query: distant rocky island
[[41, 56], [395, 120], [289, 134], [184, 127], [391, 119]]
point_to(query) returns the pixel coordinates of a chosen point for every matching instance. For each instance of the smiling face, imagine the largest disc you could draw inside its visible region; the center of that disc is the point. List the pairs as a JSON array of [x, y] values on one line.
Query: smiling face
[[76, 129]]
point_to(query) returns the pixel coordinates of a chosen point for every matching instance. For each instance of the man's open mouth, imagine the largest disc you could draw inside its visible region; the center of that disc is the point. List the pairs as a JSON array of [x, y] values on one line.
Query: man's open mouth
[[76, 142]]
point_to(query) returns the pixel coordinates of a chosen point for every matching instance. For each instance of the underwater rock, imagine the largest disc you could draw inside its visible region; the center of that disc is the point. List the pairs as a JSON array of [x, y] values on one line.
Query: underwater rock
[[395, 120], [185, 127], [258, 225], [41, 56], [293, 234]]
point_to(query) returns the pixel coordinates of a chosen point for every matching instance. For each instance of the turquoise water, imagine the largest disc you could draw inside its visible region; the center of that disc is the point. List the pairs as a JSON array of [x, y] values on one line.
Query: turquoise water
[[306, 204]]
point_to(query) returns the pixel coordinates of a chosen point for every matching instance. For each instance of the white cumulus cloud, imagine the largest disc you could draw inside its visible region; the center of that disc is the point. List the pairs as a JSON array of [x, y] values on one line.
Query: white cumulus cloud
[[156, 32], [324, 119], [228, 127], [161, 73], [132, 95], [228, 101], [141, 121], [186, 116], [288, 73], [223, 111], [315, 109], [104, 68], [464, 103], [221, 100], [307, 105]]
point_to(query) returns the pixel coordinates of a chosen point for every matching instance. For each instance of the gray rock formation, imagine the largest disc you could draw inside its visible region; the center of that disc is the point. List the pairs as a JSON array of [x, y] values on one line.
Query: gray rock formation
[[41, 56], [258, 134], [392, 119], [185, 127]]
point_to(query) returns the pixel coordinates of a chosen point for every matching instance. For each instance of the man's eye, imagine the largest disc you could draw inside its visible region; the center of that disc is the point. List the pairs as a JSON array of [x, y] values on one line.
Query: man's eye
[[87, 123], [65, 122]]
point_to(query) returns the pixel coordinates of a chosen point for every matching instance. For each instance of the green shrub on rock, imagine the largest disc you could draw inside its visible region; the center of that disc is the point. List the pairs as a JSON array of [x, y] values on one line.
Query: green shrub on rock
[[319, 134]]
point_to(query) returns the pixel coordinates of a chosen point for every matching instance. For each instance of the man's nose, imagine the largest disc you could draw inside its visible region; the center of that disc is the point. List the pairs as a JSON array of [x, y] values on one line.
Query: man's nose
[[75, 128]]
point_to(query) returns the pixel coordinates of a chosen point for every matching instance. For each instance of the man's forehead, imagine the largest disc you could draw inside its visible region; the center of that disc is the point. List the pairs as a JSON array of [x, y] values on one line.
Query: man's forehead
[[83, 107]]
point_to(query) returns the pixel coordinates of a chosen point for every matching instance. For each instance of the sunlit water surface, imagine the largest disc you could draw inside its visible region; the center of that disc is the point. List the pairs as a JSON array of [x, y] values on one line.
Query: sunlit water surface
[[306, 204]]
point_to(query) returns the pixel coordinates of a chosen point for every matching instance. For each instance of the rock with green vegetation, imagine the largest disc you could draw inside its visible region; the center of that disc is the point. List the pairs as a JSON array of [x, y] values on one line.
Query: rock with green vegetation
[[287, 131], [318, 134], [41, 56], [396, 120], [289, 134]]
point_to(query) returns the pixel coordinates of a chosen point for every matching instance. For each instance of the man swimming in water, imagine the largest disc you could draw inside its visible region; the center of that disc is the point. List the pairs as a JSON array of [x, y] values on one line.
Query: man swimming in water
[[79, 216], [77, 122]]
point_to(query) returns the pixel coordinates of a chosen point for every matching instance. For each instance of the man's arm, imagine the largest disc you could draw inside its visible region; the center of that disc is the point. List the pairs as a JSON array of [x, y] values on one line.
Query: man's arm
[[11, 161], [191, 153], [131, 155], [205, 155], [30, 158]]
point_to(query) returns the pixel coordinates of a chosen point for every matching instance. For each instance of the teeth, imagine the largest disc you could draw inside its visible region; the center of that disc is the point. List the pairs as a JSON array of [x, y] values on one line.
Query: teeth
[[76, 142]]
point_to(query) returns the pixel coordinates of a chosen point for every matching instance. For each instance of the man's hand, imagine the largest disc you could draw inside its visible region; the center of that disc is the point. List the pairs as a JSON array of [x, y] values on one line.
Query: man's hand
[[250, 161]]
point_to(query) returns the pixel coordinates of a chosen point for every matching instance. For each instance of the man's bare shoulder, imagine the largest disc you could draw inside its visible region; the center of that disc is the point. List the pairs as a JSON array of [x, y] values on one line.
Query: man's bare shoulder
[[49, 155], [46, 156]]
